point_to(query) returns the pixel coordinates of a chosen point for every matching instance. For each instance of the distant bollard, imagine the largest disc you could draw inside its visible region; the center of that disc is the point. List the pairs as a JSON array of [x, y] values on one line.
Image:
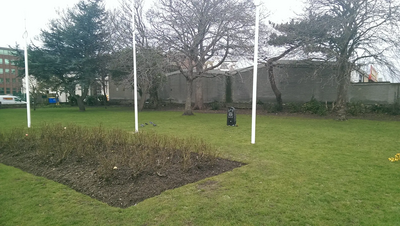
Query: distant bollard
[[231, 117]]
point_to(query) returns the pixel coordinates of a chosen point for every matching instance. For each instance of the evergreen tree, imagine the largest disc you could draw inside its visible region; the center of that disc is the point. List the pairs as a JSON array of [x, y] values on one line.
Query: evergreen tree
[[73, 48]]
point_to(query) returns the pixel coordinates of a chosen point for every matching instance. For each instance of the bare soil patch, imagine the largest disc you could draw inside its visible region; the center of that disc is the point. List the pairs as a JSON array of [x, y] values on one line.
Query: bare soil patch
[[122, 190]]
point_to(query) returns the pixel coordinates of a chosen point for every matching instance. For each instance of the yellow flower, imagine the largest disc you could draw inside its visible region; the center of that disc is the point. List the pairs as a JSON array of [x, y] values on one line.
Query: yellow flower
[[396, 158]]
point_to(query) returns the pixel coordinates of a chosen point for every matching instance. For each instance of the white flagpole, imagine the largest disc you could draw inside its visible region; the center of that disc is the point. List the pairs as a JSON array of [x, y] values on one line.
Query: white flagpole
[[134, 67], [28, 102], [254, 101]]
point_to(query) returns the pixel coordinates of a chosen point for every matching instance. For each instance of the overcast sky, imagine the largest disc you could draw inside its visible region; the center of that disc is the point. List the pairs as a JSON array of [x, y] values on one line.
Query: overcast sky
[[38, 13]]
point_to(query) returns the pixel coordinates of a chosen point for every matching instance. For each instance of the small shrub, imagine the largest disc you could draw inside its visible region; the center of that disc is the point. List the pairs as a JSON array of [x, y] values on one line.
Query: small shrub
[[294, 107], [92, 100], [215, 105], [72, 100], [315, 107], [270, 107], [356, 108], [391, 109], [102, 99], [394, 109], [377, 108]]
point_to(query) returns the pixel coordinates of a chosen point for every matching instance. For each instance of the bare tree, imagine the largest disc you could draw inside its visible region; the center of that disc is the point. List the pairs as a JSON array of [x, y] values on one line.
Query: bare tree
[[193, 32], [121, 25], [357, 30], [151, 61]]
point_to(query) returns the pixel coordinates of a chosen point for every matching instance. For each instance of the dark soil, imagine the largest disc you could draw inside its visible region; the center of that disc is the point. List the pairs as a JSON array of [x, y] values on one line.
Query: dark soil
[[121, 190]]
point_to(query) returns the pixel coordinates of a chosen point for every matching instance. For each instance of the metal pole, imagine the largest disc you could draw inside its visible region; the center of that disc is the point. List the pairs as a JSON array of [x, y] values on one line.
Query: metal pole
[[28, 102], [134, 67], [254, 101]]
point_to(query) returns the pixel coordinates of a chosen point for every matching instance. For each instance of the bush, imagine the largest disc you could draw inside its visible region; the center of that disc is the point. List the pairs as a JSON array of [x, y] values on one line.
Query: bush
[[72, 100], [377, 108], [294, 107], [391, 109], [356, 108], [315, 107], [102, 99], [110, 150], [270, 107], [394, 109], [91, 100], [215, 105]]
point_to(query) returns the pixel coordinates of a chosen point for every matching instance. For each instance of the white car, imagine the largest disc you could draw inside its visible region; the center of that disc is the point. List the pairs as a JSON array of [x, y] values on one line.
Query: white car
[[7, 99]]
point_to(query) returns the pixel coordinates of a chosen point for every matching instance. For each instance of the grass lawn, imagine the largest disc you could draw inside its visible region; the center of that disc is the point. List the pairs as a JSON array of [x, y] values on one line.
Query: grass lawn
[[300, 172]]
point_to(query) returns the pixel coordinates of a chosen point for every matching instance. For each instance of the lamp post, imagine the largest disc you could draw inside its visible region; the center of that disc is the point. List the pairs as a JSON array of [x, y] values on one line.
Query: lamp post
[[134, 67], [255, 67], [28, 102]]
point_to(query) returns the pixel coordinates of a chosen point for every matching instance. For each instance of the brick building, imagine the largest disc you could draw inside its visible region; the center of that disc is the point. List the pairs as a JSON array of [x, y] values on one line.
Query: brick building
[[10, 83]]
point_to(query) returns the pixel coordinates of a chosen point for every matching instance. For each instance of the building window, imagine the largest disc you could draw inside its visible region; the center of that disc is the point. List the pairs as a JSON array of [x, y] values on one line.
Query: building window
[[1, 61], [6, 61], [1, 90], [1, 71], [14, 91], [1, 81], [8, 90], [13, 71], [7, 71], [14, 80], [7, 81]]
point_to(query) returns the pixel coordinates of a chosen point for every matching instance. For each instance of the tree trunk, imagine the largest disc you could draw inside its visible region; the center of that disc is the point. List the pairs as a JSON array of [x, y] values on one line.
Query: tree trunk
[[81, 105], [270, 68], [188, 103], [35, 98], [343, 79], [199, 102], [154, 99], [142, 100], [278, 94], [80, 99]]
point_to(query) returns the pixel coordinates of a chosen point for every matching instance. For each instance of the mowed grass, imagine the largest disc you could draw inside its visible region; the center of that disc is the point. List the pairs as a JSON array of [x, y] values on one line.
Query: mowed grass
[[299, 172]]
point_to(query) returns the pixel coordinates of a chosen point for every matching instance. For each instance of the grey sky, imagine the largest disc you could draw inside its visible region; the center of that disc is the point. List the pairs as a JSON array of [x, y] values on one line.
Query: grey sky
[[39, 12]]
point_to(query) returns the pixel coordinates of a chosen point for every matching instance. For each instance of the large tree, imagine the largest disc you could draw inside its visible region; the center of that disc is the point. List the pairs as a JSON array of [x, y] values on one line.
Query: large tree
[[357, 31], [193, 32], [73, 48], [151, 61], [293, 39], [151, 64]]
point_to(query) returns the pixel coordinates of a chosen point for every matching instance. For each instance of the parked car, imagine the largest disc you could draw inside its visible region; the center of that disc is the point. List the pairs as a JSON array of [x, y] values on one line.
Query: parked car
[[8, 99]]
